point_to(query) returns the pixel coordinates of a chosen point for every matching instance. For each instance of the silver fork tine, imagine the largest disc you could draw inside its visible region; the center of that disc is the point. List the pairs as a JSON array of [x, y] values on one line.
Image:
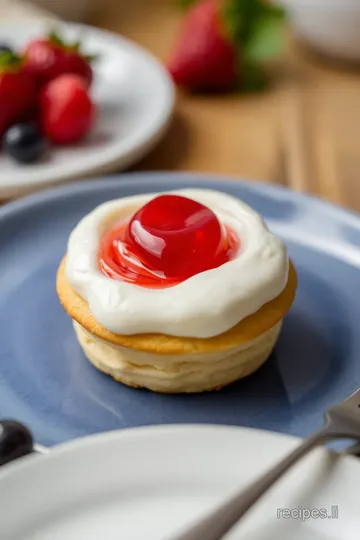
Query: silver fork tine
[[345, 415]]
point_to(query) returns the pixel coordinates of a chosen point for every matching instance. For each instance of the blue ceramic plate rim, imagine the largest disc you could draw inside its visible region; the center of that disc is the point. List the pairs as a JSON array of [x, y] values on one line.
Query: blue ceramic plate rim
[[135, 178]]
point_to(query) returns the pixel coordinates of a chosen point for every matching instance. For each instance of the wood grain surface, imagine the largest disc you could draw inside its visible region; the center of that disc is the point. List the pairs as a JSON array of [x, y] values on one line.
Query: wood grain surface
[[303, 133]]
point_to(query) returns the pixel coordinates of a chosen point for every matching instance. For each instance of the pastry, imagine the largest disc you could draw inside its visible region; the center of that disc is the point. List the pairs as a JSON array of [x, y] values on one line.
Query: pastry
[[176, 292]]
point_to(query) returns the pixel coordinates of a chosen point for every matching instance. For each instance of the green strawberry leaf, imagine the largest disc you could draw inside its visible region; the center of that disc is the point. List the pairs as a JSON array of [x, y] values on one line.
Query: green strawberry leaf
[[239, 17], [90, 58], [54, 37], [58, 41], [266, 40], [256, 27], [76, 46], [243, 18], [9, 61], [184, 4], [253, 78]]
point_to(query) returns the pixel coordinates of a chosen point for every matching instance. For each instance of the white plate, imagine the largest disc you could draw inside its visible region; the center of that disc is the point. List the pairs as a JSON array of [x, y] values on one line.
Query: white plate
[[332, 26], [135, 97], [147, 483]]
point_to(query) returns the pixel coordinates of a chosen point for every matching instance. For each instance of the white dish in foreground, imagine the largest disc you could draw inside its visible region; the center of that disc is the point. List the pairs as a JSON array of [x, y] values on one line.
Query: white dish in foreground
[[135, 99], [147, 483]]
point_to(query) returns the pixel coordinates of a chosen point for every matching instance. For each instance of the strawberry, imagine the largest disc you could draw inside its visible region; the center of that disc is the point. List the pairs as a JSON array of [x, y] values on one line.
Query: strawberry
[[224, 42], [66, 109], [18, 91], [49, 57], [204, 58]]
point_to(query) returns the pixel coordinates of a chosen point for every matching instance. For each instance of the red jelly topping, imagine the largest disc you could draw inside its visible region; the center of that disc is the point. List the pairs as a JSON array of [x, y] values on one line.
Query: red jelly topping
[[168, 240]]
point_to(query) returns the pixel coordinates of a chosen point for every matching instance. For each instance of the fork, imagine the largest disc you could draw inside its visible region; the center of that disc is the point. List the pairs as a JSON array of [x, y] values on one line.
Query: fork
[[342, 421]]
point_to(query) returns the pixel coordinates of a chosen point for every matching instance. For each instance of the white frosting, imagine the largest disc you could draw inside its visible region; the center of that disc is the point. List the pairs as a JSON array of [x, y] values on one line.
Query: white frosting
[[204, 305]]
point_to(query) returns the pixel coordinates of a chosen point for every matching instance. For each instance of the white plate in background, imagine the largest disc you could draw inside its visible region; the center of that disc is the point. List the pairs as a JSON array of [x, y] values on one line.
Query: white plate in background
[[331, 26], [135, 98], [147, 483]]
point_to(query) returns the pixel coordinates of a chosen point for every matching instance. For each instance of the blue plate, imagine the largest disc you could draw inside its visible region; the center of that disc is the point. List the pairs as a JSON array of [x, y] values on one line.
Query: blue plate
[[46, 382]]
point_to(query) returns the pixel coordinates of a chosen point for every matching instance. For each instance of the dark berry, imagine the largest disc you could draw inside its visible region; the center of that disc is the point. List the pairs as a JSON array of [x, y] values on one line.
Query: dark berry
[[15, 441], [24, 143]]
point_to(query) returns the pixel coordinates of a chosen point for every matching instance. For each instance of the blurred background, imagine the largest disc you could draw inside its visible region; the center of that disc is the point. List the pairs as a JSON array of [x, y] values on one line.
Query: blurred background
[[302, 131]]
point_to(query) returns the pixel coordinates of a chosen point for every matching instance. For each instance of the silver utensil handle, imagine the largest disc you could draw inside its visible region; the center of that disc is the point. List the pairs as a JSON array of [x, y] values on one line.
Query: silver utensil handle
[[220, 522]]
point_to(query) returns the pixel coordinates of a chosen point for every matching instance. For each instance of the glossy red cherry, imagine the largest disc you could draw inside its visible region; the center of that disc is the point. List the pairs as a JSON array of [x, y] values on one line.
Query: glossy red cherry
[[176, 236], [168, 240]]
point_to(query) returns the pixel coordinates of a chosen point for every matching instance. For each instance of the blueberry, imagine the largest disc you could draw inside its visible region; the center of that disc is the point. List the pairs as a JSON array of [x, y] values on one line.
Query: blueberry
[[15, 441], [5, 48], [24, 143]]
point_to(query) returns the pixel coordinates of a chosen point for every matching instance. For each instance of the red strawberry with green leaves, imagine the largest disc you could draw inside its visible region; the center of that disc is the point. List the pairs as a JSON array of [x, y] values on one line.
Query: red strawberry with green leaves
[[222, 43], [18, 91], [48, 57]]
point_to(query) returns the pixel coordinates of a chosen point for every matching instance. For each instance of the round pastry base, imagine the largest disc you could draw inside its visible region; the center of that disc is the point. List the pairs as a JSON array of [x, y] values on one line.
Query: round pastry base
[[177, 373]]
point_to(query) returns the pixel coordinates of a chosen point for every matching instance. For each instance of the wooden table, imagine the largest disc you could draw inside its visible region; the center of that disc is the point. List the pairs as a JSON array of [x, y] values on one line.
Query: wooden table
[[304, 133]]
